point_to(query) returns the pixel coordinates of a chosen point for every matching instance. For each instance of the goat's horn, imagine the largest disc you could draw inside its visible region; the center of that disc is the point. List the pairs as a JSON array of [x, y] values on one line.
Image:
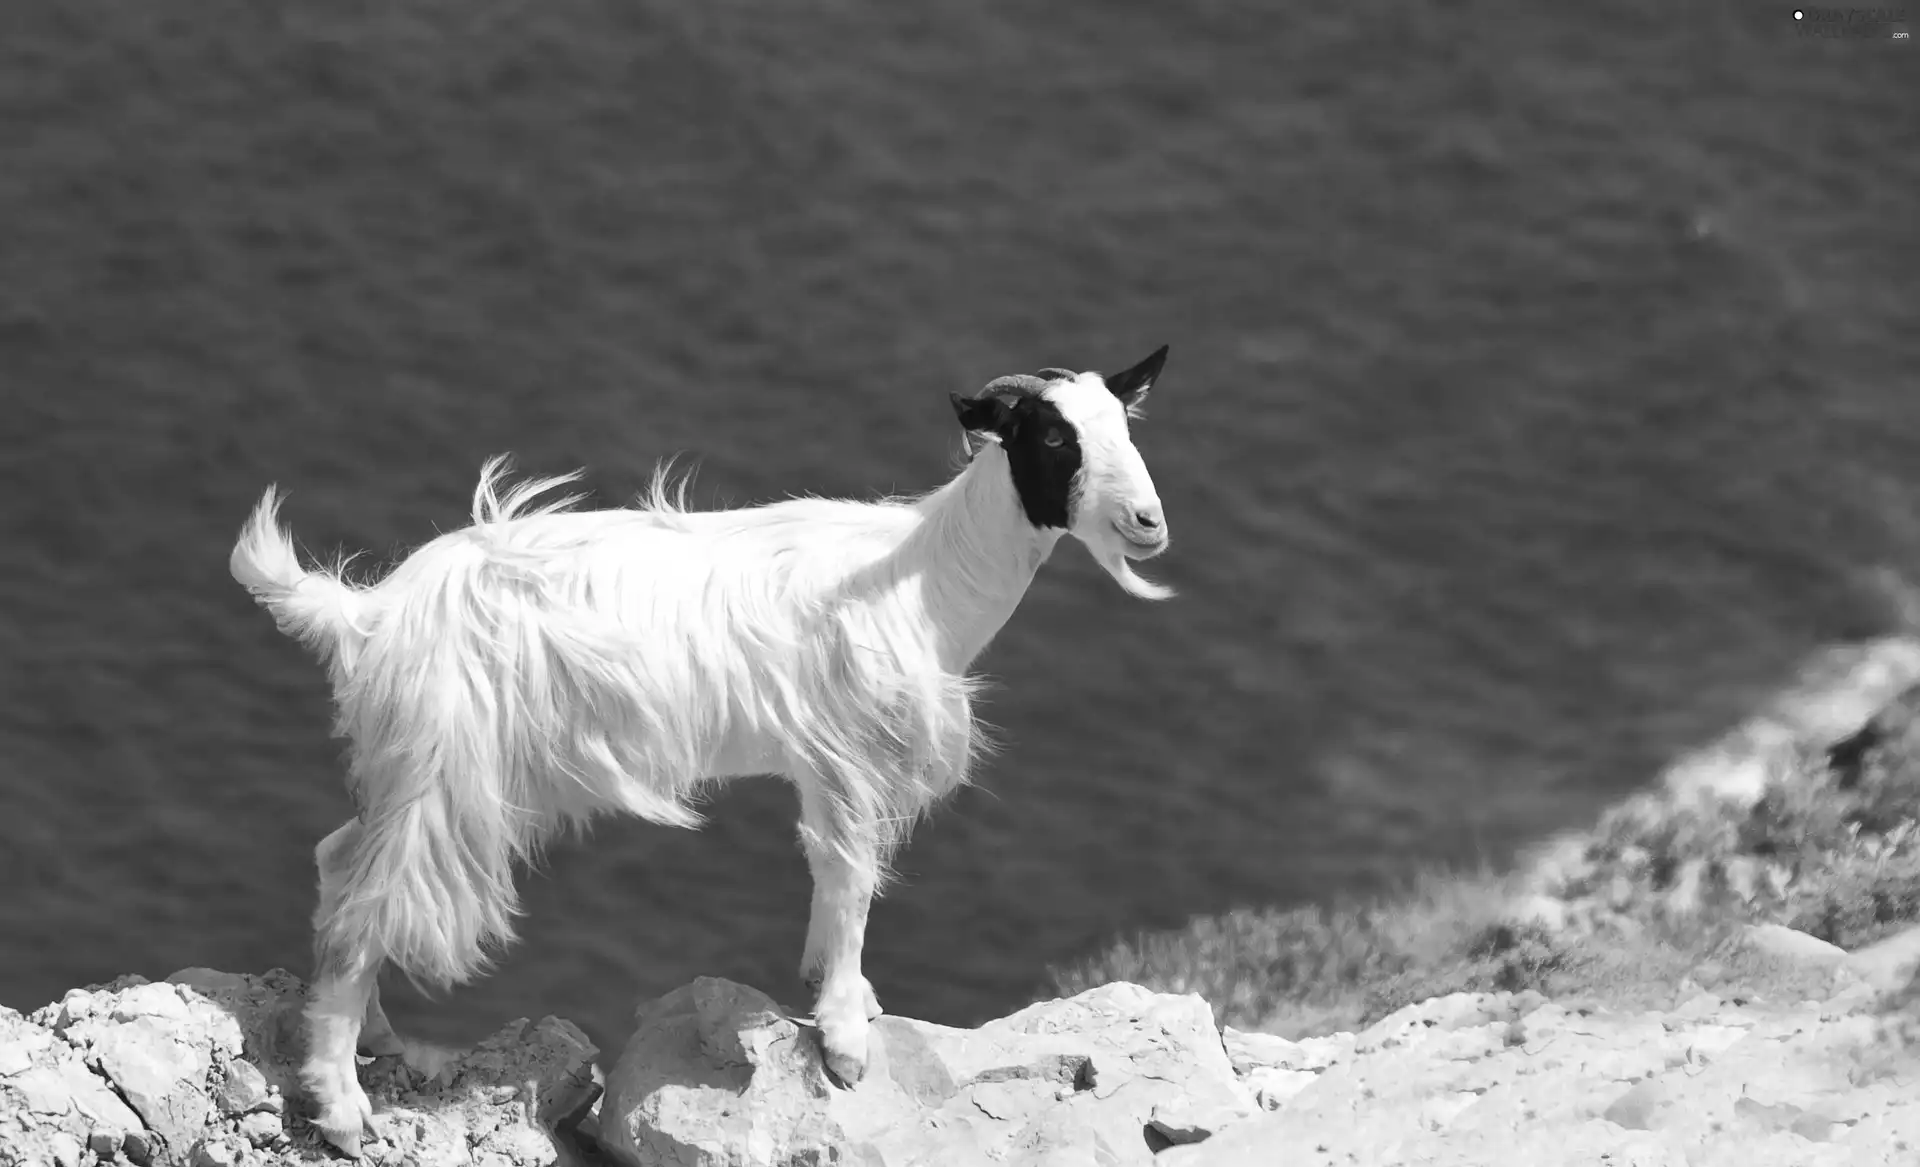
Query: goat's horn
[[1015, 384], [1058, 374]]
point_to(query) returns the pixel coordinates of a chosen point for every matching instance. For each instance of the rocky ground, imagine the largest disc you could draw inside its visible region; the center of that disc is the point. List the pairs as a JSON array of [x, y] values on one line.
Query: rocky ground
[[199, 1071], [1725, 1077], [1823, 1068], [1725, 970]]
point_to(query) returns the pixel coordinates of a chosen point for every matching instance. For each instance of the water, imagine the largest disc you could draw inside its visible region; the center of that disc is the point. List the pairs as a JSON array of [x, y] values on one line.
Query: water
[[1541, 391]]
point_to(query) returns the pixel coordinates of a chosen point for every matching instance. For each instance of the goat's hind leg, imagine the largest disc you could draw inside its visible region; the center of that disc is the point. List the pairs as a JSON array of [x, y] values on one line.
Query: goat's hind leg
[[330, 859], [341, 1001], [378, 1038]]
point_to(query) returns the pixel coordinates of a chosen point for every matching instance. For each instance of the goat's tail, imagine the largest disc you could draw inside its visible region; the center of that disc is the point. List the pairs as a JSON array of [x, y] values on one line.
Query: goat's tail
[[315, 607]]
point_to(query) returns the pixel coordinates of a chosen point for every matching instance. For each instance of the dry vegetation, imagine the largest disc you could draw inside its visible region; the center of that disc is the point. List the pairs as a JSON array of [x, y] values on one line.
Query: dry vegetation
[[1831, 849]]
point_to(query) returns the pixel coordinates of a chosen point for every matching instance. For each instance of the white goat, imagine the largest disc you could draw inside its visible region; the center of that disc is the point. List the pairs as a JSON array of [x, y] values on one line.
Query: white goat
[[514, 678]]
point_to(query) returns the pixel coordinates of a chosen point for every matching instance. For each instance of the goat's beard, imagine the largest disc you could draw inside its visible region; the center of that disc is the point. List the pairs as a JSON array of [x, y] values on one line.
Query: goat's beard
[[1131, 581], [1108, 553]]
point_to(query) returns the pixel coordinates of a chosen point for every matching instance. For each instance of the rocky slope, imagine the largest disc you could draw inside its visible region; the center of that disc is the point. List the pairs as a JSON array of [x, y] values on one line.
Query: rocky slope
[[1494, 1079], [197, 1072]]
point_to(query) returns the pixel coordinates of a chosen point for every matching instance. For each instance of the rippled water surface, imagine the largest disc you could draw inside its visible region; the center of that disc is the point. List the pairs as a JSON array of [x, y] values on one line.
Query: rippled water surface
[[1543, 387]]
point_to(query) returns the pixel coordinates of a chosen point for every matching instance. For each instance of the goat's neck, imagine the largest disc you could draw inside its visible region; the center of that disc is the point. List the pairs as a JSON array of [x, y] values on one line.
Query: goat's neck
[[987, 552]]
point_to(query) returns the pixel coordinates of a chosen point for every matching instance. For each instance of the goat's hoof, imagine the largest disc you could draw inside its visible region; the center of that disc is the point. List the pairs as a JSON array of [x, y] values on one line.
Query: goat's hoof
[[346, 1122], [847, 1069], [346, 1142], [843, 1041]]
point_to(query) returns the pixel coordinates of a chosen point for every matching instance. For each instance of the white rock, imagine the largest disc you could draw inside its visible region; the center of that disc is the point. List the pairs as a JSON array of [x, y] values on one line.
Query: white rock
[[1791, 944], [160, 1077], [1246, 1051], [718, 1073], [1272, 1086], [1181, 1120], [261, 1128], [64, 1149], [1890, 964], [161, 1000]]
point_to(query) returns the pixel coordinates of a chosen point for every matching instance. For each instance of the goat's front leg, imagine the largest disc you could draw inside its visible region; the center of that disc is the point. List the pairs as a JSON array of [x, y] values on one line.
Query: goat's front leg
[[846, 867], [813, 958], [336, 1011]]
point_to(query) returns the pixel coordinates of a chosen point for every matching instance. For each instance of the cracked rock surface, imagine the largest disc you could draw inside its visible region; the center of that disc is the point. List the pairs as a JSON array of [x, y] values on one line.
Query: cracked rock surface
[[1493, 1079], [718, 1073], [200, 1071]]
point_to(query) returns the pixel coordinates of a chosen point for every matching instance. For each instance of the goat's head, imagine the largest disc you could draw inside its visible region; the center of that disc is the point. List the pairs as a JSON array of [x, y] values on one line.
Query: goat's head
[[1073, 461]]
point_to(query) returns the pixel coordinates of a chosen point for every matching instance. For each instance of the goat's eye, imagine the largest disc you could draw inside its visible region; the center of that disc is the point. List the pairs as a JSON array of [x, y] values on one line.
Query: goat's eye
[[1054, 439]]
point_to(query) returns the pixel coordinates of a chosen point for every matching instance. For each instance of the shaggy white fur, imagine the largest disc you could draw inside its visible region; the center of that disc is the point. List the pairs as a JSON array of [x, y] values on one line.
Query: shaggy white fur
[[512, 679]]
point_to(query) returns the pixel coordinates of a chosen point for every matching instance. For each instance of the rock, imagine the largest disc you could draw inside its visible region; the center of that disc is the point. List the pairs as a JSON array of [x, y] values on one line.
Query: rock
[[1180, 1121], [63, 1150], [265, 1012], [1644, 1107], [721, 1074], [54, 1097], [19, 1044], [1245, 1051], [716, 1065], [160, 1077], [1792, 945], [242, 1088], [499, 1101], [1889, 965], [1434, 1019], [1272, 1086], [207, 1059], [718, 1073], [261, 1128], [214, 1153], [1709, 1083]]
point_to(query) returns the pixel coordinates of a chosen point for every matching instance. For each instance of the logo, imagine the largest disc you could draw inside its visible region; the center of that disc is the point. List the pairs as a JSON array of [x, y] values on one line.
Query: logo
[[1863, 24]]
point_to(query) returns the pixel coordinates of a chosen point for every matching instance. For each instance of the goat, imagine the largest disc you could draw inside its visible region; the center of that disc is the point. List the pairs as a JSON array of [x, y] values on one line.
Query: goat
[[512, 679]]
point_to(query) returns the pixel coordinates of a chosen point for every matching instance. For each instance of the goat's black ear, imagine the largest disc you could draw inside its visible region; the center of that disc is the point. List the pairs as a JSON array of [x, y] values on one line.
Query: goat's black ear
[[981, 415], [1133, 385]]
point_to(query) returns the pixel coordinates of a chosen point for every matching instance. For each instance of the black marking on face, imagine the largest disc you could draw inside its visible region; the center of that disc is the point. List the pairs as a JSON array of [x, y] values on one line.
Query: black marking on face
[[1043, 452]]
